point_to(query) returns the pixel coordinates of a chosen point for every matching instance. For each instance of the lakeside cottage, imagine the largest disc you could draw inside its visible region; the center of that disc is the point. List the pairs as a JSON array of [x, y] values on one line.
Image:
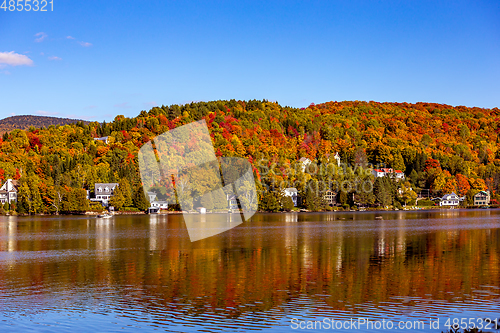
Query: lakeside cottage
[[450, 200], [8, 191], [155, 203], [231, 201], [482, 198], [103, 192]]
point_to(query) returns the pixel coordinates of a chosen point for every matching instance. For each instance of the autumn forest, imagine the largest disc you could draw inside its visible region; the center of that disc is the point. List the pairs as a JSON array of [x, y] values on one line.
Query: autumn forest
[[439, 148]]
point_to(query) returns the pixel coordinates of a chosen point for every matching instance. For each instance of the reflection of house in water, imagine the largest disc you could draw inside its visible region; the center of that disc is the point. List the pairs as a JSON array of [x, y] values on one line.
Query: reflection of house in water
[[8, 233], [291, 217], [103, 229]]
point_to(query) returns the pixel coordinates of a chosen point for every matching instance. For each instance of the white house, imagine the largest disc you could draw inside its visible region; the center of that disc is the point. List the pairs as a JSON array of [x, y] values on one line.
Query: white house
[[231, 201], [291, 192], [103, 192], [305, 162], [8, 191], [382, 172], [450, 200], [337, 158], [159, 204], [102, 139]]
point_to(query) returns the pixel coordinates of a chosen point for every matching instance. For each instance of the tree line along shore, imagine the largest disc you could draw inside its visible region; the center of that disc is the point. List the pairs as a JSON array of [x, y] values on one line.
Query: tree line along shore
[[440, 149]]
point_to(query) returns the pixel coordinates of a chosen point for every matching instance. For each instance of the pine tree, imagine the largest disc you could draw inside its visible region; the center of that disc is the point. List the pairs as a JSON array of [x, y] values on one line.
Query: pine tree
[[140, 200]]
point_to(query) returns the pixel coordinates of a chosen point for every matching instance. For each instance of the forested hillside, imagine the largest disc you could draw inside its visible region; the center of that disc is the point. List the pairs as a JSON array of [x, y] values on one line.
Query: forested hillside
[[437, 146], [25, 122]]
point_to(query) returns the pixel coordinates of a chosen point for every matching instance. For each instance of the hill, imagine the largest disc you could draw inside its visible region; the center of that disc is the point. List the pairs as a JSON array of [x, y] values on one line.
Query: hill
[[438, 147], [25, 122]]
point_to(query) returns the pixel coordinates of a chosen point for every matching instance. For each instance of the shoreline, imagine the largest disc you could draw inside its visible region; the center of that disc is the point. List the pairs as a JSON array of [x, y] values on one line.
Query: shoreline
[[95, 213]]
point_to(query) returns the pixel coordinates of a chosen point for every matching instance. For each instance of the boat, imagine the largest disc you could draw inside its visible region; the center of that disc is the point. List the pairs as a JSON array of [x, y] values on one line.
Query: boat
[[104, 216]]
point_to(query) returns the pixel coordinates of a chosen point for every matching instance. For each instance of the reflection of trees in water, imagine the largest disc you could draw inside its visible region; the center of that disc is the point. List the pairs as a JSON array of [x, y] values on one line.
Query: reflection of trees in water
[[152, 265]]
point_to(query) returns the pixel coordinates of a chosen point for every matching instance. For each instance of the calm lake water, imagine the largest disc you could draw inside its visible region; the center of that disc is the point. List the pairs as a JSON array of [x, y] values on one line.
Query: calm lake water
[[142, 273]]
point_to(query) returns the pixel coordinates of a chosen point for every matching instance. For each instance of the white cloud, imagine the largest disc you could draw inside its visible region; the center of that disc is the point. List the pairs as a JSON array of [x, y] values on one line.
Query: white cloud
[[70, 37], [41, 36], [123, 105], [54, 58], [150, 104], [46, 113], [14, 59], [85, 44]]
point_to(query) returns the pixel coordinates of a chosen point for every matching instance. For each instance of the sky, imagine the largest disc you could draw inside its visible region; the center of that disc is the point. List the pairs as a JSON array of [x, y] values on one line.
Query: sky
[[94, 60]]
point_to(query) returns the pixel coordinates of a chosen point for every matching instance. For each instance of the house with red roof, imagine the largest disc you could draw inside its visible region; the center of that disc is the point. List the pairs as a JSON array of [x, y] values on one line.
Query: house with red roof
[[382, 172]]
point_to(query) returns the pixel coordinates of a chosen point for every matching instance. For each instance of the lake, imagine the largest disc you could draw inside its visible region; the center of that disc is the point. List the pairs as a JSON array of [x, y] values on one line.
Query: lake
[[276, 272]]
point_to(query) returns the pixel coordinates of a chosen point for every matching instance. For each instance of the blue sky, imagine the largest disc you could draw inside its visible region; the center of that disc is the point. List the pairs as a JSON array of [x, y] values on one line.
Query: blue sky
[[94, 59]]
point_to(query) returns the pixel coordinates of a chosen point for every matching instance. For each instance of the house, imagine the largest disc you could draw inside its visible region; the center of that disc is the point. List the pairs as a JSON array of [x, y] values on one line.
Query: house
[[330, 197], [151, 196], [293, 193], [159, 204], [8, 191], [450, 200], [102, 139], [337, 158], [482, 198], [382, 172], [103, 192], [304, 163], [231, 201]]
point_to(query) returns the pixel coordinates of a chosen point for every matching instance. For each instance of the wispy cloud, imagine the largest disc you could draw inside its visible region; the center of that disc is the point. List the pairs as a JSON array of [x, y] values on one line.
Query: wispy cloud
[[123, 105], [91, 107], [75, 116], [85, 44], [14, 59], [41, 36], [54, 58], [70, 37], [150, 104], [46, 113]]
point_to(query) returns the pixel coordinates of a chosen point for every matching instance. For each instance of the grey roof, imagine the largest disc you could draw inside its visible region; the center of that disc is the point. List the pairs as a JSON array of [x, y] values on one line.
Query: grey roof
[[449, 196], [110, 187]]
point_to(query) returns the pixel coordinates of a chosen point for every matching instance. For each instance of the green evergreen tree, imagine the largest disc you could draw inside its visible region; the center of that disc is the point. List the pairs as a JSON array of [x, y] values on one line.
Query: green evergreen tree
[[382, 193], [287, 203], [140, 200], [118, 199], [269, 202]]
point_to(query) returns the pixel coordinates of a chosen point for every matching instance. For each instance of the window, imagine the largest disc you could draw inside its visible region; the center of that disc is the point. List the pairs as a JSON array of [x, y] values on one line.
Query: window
[[99, 189]]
